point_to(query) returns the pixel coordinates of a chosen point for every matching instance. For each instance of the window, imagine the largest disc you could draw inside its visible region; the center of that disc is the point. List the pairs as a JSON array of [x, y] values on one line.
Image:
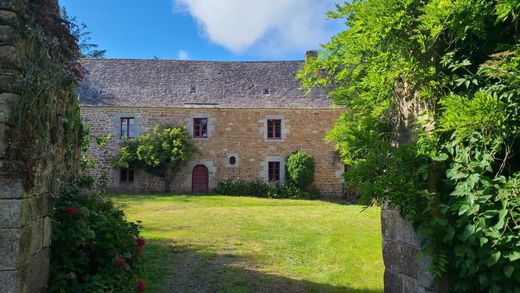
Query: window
[[266, 91], [193, 89], [126, 175], [200, 127], [232, 160], [274, 128], [274, 171], [127, 127]]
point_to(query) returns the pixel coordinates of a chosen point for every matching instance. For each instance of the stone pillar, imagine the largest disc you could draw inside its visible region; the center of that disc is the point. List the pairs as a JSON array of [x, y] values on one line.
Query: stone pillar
[[25, 226], [405, 270]]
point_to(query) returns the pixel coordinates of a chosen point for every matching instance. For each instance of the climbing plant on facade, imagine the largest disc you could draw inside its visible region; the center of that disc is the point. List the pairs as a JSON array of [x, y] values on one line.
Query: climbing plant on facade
[[160, 152], [431, 125]]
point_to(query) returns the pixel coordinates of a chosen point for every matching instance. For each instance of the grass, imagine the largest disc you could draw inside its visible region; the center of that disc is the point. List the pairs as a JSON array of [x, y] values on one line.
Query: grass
[[245, 244]]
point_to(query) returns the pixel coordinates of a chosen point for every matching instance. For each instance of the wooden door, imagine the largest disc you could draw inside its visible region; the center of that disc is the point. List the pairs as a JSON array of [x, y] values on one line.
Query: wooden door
[[199, 179]]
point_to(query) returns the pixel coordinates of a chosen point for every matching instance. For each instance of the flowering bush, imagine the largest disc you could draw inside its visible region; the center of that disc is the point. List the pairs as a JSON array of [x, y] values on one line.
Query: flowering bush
[[94, 249]]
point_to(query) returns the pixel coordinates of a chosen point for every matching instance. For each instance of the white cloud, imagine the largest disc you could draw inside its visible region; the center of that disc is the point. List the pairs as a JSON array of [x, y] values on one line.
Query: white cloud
[[183, 55], [267, 25]]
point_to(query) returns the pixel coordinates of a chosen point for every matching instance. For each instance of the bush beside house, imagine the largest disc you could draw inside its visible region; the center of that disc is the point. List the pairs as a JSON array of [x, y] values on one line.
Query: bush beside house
[[300, 175]]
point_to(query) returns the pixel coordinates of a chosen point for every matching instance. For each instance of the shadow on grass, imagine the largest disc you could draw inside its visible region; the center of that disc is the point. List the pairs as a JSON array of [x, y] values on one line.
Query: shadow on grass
[[173, 268], [189, 196]]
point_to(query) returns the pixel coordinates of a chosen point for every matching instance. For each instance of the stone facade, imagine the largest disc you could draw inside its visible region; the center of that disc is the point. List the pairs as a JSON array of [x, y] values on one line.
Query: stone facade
[[25, 226], [231, 132]]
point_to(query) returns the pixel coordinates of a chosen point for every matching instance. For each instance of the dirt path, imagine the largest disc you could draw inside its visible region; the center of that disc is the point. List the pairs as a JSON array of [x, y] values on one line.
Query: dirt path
[[195, 272]]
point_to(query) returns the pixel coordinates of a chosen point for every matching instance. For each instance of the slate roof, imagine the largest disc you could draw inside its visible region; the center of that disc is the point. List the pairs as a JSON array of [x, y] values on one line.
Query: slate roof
[[167, 83]]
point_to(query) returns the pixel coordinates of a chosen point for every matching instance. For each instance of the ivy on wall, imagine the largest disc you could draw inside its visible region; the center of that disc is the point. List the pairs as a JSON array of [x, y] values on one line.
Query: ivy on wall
[[431, 90]]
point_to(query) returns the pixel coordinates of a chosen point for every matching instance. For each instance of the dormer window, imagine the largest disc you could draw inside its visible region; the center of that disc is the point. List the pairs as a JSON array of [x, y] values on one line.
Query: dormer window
[[267, 91], [193, 89], [103, 89]]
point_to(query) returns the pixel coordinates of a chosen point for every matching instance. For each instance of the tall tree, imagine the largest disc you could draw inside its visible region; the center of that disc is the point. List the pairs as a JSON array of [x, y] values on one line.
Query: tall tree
[[431, 122]]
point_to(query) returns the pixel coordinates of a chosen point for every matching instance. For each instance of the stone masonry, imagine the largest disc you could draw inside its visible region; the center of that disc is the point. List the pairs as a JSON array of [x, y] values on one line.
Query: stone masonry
[[25, 226], [405, 270], [237, 132]]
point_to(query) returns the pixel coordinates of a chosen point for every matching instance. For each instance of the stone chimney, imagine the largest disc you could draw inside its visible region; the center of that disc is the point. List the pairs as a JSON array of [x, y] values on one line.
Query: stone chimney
[[311, 54]]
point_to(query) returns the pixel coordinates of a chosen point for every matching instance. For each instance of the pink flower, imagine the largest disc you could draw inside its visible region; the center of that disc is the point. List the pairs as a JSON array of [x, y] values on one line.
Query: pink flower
[[71, 211], [140, 286], [120, 261], [140, 242]]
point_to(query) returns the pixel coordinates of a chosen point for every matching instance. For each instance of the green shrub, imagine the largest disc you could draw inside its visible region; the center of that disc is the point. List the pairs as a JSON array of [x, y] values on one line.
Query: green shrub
[[160, 152], [300, 169], [94, 249], [263, 189]]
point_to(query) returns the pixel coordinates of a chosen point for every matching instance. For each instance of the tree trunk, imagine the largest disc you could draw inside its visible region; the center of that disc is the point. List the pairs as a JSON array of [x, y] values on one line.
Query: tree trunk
[[168, 178]]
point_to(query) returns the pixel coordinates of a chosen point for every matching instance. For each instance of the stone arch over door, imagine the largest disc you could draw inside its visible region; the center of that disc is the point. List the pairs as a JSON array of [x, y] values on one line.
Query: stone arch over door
[[200, 179]]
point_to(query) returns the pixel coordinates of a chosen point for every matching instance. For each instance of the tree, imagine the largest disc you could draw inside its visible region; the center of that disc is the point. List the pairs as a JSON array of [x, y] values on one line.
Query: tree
[[431, 95], [160, 152]]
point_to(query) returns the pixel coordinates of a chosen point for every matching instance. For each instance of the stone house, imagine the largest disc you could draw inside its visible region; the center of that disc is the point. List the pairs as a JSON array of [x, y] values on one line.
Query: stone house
[[245, 119]]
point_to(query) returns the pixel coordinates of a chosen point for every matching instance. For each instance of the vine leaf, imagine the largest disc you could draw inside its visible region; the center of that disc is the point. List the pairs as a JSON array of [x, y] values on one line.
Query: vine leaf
[[468, 232], [514, 255], [493, 258], [508, 270]]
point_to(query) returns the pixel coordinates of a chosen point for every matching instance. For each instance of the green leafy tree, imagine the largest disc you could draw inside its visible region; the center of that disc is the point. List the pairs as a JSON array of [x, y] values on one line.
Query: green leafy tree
[[300, 169], [160, 152], [431, 125]]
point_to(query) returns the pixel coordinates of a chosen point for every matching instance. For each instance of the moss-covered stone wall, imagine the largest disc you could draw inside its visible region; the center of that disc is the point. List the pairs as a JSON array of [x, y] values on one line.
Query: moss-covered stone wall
[[39, 135]]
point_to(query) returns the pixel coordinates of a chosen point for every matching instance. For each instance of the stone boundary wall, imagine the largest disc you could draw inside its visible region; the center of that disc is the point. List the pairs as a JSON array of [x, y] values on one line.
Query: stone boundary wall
[[405, 270], [25, 225]]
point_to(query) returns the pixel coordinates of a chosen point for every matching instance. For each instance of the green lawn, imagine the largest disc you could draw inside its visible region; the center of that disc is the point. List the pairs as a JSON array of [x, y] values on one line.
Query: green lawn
[[245, 244]]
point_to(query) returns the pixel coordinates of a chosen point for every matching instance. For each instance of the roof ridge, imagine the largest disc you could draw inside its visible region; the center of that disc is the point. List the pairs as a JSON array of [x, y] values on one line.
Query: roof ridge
[[189, 61]]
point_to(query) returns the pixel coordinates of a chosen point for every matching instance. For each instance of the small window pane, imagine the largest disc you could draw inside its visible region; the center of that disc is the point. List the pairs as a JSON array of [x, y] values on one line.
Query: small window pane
[[126, 175], [128, 127], [274, 128], [274, 171], [200, 127], [123, 175]]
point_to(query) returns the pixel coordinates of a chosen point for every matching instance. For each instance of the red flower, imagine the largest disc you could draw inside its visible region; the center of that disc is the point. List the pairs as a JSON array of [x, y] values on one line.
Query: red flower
[[71, 211], [140, 242], [120, 261], [140, 286]]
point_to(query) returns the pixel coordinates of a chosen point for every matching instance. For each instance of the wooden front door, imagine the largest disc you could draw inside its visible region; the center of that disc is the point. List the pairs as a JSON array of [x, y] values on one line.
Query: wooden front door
[[199, 179]]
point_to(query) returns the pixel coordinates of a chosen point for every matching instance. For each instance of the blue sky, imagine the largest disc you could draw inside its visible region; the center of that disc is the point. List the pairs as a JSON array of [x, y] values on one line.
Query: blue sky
[[206, 29]]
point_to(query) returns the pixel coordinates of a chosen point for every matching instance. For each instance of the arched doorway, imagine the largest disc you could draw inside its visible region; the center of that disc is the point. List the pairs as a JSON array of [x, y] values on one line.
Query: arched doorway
[[199, 179]]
